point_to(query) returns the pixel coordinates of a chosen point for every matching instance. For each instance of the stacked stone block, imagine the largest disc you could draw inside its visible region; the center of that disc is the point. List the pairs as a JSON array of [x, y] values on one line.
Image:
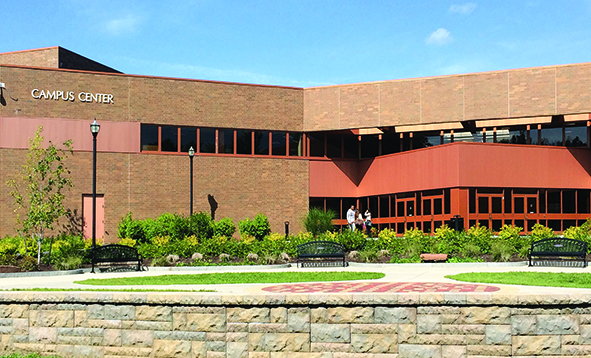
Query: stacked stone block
[[301, 326]]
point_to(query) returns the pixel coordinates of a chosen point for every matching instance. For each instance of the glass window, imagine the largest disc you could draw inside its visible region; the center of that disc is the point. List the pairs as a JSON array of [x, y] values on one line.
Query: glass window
[[553, 201], [533, 135], [334, 205], [508, 201], [532, 205], [400, 208], [384, 206], [243, 142], [575, 136], [583, 201], [333, 146], [296, 144], [468, 137], [149, 137], [483, 205], [351, 146], [188, 139], [370, 146], [390, 143], [170, 139], [518, 205], [512, 135], [551, 136], [437, 206], [207, 140], [279, 143], [426, 206], [317, 203], [568, 202], [261, 142], [316, 145], [226, 141], [425, 140], [447, 138], [497, 205]]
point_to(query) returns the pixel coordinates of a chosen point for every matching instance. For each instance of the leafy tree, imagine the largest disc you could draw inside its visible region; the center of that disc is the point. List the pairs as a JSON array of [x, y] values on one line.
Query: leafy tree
[[39, 188]]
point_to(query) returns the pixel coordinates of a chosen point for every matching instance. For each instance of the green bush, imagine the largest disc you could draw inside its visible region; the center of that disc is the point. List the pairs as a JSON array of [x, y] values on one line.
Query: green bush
[[69, 263], [201, 225], [28, 263], [8, 259], [451, 242], [224, 227], [351, 240], [540, 232], [582, 233], [502, 251], [388, 240], [480, 236], [64, 247], [318, 221], [258, 228]]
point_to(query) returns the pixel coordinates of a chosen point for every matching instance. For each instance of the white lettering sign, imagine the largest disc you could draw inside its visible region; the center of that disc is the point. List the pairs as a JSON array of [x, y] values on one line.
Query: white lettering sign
[[70, 96]]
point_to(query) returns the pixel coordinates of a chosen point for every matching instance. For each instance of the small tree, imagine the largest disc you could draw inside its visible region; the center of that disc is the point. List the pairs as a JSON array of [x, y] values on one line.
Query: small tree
[[39, 188], [318, 221]]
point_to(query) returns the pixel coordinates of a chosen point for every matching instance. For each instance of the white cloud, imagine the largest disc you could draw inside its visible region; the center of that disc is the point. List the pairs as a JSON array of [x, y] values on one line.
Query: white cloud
[[124, 25], [440, 36], [462, 9]]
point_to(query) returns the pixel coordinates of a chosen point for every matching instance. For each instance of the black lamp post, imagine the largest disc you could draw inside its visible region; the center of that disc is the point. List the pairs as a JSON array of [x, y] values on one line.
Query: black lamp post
[[94, 129], [191, 155]]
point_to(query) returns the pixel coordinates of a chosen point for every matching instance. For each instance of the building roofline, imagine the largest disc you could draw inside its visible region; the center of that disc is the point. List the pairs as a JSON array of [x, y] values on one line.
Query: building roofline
[[146, 76], [31, 50]]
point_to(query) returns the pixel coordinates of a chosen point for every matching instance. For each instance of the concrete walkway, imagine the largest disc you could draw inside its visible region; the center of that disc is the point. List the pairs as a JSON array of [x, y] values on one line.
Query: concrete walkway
[[393, 273]]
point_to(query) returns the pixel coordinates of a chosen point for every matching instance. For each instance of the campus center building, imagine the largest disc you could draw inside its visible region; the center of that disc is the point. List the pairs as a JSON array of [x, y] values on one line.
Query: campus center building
[[494, 148]]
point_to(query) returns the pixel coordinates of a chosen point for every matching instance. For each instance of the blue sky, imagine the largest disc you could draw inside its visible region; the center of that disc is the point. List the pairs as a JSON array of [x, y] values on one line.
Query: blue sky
[[305, 43]]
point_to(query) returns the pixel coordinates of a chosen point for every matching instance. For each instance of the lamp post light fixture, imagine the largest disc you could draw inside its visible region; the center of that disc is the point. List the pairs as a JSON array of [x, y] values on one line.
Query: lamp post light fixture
[[191, 155], [94, 129]]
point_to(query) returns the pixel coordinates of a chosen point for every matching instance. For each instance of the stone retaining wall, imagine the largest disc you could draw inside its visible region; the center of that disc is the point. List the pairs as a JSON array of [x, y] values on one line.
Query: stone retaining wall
[[98, 324]]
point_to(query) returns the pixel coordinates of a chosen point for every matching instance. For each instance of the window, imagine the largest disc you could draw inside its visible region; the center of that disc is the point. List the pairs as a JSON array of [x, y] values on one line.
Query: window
[[149, 137], [351, 146], [333, 146], [261, 142], [575, 136], [188, 139], [169, 138], [551, 136], [390, 143], [243, 142], [316, 144], [424, 140], [296, 145], [279, 143], [207, 140], [370, 146], [226, 141], [512, 135]]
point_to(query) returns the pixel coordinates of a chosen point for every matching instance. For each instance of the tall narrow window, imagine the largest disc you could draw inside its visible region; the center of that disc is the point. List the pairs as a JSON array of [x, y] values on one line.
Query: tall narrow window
[[243, 142], [279, 143], [207, 140], [316, 144], [333, 146], [170, 139], [261, 142], [296, 144], [149, 137], [188, 139], [226, 141]]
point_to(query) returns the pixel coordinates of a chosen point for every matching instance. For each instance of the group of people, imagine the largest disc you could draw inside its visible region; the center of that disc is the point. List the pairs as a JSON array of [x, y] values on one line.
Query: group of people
[[356, 221]]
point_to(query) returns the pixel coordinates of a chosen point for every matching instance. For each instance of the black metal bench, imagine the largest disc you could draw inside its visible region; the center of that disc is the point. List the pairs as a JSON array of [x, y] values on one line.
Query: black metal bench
[[321, 254], [565, 251], [116, 254]]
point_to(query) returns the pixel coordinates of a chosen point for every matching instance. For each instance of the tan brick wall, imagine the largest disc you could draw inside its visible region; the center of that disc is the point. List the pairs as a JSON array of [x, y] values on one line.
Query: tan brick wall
[[45, 57], [542, 91]]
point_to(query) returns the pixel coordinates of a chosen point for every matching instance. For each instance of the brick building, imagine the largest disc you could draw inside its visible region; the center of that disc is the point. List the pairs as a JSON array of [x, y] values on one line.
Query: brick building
[[504, 147]]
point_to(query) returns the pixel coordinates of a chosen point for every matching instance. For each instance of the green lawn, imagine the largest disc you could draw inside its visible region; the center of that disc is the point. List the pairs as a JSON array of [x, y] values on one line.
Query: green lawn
[[234, 277], [42, 289], [552, 279]]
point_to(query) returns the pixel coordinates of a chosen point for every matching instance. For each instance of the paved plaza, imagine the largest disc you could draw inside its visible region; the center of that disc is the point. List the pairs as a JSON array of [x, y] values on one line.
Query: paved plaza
[[399, 278]]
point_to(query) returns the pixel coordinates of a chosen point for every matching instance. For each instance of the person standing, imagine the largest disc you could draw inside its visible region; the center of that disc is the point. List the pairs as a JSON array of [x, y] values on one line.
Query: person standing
[[351, 218], [368, 222]]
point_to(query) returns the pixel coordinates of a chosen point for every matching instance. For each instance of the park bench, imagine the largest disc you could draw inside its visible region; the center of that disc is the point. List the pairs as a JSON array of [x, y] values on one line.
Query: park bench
[[116, 254], [557, 251], [321, 254]]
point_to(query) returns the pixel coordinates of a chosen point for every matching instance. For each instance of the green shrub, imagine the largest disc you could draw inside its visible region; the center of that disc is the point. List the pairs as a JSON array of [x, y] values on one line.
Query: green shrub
[[451, 242], [160, 261], [540, 232], [318, 221], [8, 259], [201, 225], [28, 263], [469, 250], [64, 247], [224, 227], [479, 236], [502, 251], [368, 256], [509, 233], [258, 228], [69, 263], [582, 233], [425, 242], [388, 240], [351, 240]]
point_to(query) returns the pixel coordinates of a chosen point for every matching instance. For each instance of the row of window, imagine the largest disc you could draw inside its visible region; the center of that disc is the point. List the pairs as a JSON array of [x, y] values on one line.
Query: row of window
[[369, 146], [156, 138], [334, 145], [490, 207]]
